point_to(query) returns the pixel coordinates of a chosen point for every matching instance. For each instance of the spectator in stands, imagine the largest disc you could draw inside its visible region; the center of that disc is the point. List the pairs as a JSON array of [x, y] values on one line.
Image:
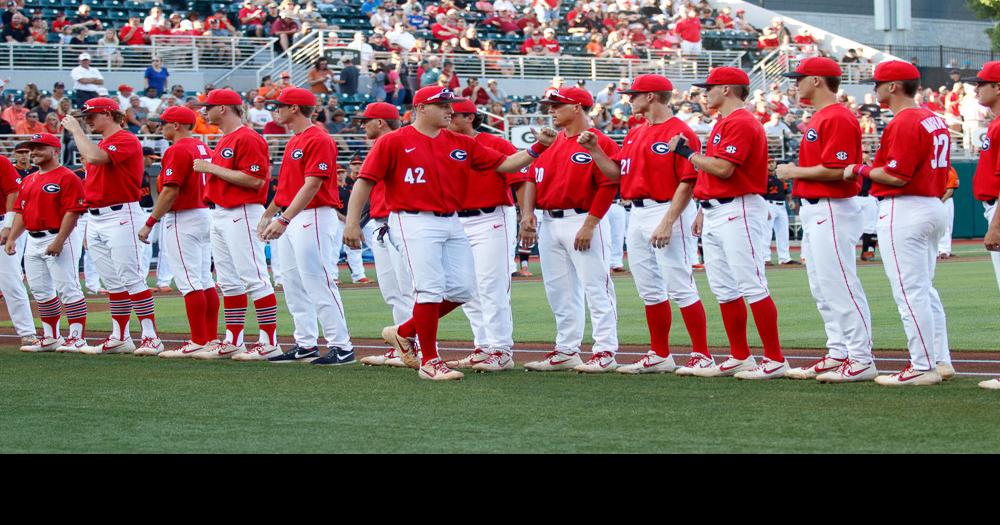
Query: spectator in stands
[[124, 94], [107, 49], [446, 27], [154, 19], [782, 32], [504, 21], [448, 70], [64, 108], [974, 117], [152, 101], [30, 125], [31, 96], [44, 108], [135, 114], [595, 48], [85, 21], [475, 92], [8, 14], [319, 77], [768, 40], [400, 38], [601, 117], [550, 43], [156, 76], [368, 7], [533, 44], [741, 22], [39, 31], [546, 11], [725, 19], [132, 34], [59, 22], [219, 25], [349, 75], [52, 124], [951, 106], [273, 128], [284, 29], [496, 94], [338, 121], [868, 126], [689, 29], [258, 115], [268, 89], [309, 15], [251, 18], [608, 96], [366, 50], [871, 107], [87, 81], [470, 43], [17, 31]]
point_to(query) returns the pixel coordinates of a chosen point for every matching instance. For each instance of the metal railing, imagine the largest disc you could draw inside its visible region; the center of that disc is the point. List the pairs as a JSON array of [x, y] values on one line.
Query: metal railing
[[297, 59], [768, 69], [940, 56]]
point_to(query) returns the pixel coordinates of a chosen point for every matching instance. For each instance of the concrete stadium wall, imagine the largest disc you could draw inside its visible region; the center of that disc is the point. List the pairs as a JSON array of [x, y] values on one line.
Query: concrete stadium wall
[[969, 220], [925, 31], [45, 78]]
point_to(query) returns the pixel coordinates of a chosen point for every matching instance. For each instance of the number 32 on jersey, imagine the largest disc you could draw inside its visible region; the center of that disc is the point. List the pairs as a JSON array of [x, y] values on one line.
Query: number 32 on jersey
[[414, 176]]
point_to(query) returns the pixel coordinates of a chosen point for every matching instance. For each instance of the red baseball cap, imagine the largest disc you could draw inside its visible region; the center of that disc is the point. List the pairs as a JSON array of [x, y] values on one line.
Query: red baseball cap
[[379, 110], [465, 106], [894, 70], [569, 95], [40, 139], [725, 76], [294, 96], [98, 105], [435, 95], [989, 74], [221, 97], [649, 83], [816, 67], [178, 115], [125, 87]]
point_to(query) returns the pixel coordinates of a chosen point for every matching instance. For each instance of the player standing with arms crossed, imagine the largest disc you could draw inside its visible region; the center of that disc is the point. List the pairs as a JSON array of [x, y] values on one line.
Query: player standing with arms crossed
[[379, 119], [11, 276], [236, 191], [48, 206], [832, 223], [574, 241], [660, 185], [185, 228], [490, 222], [731, 178], [303, 219], [114, 170], [423, 167], [908, 178]]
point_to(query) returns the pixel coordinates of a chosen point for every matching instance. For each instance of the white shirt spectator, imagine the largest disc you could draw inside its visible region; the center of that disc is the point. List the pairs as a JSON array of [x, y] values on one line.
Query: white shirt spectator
[[503, 5], [80, 72], [259, 117], [367, 52], [151, 21], [151, 104], [606, 98], [123, 101], [402, 38]]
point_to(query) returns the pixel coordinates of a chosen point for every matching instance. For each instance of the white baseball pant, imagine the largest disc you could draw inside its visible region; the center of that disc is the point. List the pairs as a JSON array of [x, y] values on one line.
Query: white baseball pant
[[570, 276], [618, 221], [163, 273], [240, 266], [731, 240], [834, 227], [308, 266], [355, 261], [869, 212], [489, 312], [777, 228], [91, 278], [437, 256], [185, 243], [944, 245], [390, 271], [988, 211], [12, 287], [661, 273], [114, 247], [50, 276], [909, 229]]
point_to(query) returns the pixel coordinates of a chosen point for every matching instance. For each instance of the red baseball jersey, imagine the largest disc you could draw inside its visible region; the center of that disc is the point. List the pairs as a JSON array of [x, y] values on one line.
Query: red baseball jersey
[[46, 197], [120, 179], [740, 139], [986, 181], [422, 173], [833, 139], [649, 169], [915, 147], [178, 171], [487, 189], [9, 182], [378, 208], [242, 150], [311, 153], [567, 176]]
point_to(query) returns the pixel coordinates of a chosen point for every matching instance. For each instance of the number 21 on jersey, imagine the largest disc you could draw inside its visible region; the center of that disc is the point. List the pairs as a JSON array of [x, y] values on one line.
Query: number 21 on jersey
[[414, 176]]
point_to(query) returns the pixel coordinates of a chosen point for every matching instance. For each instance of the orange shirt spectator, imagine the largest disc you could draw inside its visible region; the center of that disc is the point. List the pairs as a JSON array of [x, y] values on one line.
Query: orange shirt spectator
[[30, 126], [594, 47], [204, 128], [14, 115], [952, 179]]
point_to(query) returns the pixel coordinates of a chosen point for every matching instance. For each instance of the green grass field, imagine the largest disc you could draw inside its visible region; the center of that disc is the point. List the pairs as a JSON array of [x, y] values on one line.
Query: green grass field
[[70, 403]]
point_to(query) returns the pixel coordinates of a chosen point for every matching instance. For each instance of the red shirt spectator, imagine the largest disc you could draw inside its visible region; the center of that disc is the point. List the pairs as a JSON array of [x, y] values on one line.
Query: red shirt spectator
[[804, 39], [724, 21], [138, 36], [551, 46], [59, 23], [273, 128], [253, 15], [689, 29], [445, 32], [504, 22]]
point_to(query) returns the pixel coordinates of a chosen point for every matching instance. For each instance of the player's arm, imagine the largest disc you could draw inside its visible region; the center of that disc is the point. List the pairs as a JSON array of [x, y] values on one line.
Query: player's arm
[[680, 201], [948, 193], [816, 173], [164, 201], [524, 157], [302, 199], [8, 219], [65, 229], [528, 229], [714, 166], [235, 177], [16, 229], [90, 152], [355, 206], [610, 168], [878, 175]]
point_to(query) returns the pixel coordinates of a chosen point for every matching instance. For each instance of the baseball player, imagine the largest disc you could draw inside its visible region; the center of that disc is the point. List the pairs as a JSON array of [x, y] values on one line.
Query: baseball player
[[185, 224], [303, 219], [574, 241], [378, 119], [164, 275], [48, 205], [777, 218], [732, 175], [832, 223], [490, 222], [944, 247], [235, 192], [11, 277], [908, 178], [114, 175], [424, 168], [659, 185]]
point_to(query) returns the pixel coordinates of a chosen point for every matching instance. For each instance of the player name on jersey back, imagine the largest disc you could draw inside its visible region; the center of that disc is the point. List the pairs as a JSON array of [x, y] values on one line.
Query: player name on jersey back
[[916, 148]]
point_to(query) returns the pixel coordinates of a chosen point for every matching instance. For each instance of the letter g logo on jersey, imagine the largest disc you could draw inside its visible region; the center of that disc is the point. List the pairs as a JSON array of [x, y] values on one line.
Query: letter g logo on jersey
[[459, 155], [297, 154], [227, 153], [986, 144], [169, 172], [581, 158], [717, 138], [660, 148], [811, 135], [51, 188]]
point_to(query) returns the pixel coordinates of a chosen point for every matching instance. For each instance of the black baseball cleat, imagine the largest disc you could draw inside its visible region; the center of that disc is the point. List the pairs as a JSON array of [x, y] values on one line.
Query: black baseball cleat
[[297, 355], [335, 357]]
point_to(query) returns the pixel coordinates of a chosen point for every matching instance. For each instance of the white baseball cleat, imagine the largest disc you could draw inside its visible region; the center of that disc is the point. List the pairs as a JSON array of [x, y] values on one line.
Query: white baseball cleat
[[599, 363], [696, 362], [258, 352], [498, 361], [149, 346], [946, 370], [189, 349], [651, 363], [110, 346], [406, 347], [555, 361], [822, 365], [477, 356], [436, 370], [910, 376], [991, 384], [849, 372], [767, 369], [223, 350], [380, 360], [73, 345], [727, 368], [45, 344]]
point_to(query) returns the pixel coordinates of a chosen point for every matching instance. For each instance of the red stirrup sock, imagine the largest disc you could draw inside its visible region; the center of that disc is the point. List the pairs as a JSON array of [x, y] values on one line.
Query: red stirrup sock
[[210, 328], [734, 318], [697, 327], [425, 317], [194, 303], [121, 311], [765, 316], [658, 319]]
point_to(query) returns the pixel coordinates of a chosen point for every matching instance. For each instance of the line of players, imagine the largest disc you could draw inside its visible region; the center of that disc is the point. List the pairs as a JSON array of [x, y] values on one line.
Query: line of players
[[442, 200]]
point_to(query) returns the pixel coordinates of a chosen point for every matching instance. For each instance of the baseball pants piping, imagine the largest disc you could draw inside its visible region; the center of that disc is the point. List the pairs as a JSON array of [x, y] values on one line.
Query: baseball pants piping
[[240, 266], [185, 241], [489, 312], [437, 254], [14, 293], [114, 246]]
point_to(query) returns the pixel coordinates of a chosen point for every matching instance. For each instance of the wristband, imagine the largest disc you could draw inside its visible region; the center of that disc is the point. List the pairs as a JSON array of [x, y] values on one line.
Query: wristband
[[151, 221], [8, 220], [536, 149], [684, 151], [281, 218], [863, 170]]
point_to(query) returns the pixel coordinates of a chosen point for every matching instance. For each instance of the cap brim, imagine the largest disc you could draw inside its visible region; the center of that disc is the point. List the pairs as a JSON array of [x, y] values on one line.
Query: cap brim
[[976, 80], [30, 143], [703, 85], [793, 74], [631, 91]]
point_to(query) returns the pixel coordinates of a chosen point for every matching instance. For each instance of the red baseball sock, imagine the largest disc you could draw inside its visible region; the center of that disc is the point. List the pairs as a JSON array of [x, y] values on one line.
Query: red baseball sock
[[425, 317], [76, 317], [121, 311], [194, 303], [142, 303], [236, 316], [658, 319], [211, 319], [267, 318], [446, 308], [734, 318], [765, 316], [697, 327], [49, 312], [409, 328]]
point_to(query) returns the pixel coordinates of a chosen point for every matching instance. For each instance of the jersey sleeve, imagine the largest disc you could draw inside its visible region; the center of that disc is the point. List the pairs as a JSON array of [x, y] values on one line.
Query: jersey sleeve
[[505, 147], [611, 149], [19, 202], [686, 171], [321, 155], [71, 197], [253, 160], [377, 164], [485, 158], [736, 142], [900, 160], [840, 143], [8, 177], [173, 171], [122, 148]]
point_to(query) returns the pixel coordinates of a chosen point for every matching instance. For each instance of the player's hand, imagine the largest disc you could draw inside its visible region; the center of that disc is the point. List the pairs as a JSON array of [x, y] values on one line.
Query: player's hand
[[699, 222], [672, 145], [4, 233], [583, 238], [69, 123], [10, 248], [202, 165], [661, 235], [588, 140], [784, 171], [55, 248], [144, 233], [528, 230], [273, 231], [352, 235], [262, 225], [849, 173], [992, 240], [546, 135]]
